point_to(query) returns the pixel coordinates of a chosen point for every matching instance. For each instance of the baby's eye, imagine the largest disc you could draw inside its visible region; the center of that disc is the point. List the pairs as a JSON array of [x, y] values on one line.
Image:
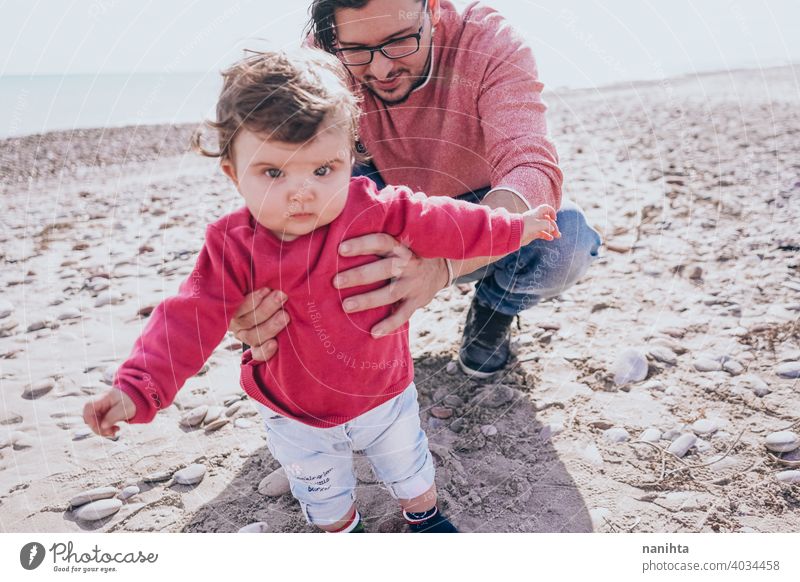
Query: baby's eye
[[274, 173], [323, 170]]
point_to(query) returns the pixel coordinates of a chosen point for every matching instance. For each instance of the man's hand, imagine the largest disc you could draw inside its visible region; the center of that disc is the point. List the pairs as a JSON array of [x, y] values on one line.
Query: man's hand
[[258, 320], [414, 280]]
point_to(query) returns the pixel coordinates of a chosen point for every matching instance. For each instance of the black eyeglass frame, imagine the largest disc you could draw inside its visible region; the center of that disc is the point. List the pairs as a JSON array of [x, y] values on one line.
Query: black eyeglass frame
[[417, 35]]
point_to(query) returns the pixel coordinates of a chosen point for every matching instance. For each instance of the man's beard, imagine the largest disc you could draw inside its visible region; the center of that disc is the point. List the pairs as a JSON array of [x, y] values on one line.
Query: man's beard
[[420, 80]]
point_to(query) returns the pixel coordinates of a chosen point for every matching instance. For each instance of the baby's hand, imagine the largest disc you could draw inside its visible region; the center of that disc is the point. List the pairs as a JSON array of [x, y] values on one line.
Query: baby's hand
[[102, 414], [540, 222]]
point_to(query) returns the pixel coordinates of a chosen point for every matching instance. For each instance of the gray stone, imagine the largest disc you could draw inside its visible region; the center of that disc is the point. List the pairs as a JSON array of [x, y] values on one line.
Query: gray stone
[[630, 367], [98, 509], [788, 370], [191, 475], [489, 430], [496, 396], [110, 297], [704, 427], [275, 484], [681, 445], [616, 434], [663, 354], [92, 495], [8, 418], [706, 364], [732, 367], [195, 416], [756, 384], [38, 389], [650, 435], [783, 441], [256, 527], [453, 401], [129, 492], [789, 477]]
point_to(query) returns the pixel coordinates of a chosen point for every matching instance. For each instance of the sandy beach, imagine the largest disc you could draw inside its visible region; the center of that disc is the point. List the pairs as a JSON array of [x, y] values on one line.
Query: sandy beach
[[659, 394]]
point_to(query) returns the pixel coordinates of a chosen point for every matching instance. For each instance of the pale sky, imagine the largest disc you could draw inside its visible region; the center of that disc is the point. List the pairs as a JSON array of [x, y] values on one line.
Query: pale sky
[[576, 43]]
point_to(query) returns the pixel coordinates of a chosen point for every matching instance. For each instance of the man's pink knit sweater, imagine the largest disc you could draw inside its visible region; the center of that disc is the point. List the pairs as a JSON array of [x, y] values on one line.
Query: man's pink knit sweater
[[477, 121], [328, 369]]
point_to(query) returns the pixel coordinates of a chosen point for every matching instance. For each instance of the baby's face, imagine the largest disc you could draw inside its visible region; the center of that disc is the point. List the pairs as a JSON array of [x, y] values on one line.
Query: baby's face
[[291, 189]]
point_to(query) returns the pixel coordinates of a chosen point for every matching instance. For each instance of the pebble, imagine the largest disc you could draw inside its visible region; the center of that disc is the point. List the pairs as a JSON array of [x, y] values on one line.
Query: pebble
[[756, 384], [496, 396], [7, 418], [788, 370], [98, 509], [70, 313], [630, 366], [129, 492], [664, 355], [6, 326], [705, 364], [109, 373], [213, 413], [41, 324], [157, 476], [6, 308], [38, 389], [650, 435], [195, 416], [230, 400], [451, 368], [788, 477], [783, 441], [217, 424], [92, 495], [732, 367], [458, 425], [672, 434], [256, 527], [242, 423], [704, 426], [681, 445], [233, 408], [441, 412], [453, 401], [616, 434], [110, 297], [191, 475], [275, 484], [488, 430], [82, 433]]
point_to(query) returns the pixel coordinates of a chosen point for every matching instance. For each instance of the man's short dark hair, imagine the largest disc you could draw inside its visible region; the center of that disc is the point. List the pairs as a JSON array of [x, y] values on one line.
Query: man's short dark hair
[[321, 23]]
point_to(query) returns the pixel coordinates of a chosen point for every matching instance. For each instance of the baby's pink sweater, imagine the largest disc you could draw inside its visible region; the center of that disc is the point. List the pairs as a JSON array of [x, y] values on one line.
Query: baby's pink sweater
[[478, 120], [328, 369]]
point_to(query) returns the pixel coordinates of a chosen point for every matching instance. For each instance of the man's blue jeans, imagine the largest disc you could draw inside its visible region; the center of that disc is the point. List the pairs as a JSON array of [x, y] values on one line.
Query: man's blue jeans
[[539, 270]]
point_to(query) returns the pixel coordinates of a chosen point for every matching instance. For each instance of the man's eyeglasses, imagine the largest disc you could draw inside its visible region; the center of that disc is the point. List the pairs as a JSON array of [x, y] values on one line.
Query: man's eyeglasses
[[397, 48]]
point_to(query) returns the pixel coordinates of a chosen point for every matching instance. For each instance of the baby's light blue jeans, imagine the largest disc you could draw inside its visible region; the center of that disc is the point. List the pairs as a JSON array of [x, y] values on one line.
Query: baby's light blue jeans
[[319, 461]]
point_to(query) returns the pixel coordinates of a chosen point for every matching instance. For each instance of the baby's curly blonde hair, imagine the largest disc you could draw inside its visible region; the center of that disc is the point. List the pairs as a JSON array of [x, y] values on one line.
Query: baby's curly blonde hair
[[284, 97]]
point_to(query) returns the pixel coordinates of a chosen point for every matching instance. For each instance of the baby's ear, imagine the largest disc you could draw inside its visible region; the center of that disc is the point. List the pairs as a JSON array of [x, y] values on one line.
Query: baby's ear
[[230, 170]]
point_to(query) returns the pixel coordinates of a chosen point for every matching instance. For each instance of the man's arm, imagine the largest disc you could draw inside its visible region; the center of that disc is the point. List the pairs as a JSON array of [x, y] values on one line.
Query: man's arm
[[183, 330]]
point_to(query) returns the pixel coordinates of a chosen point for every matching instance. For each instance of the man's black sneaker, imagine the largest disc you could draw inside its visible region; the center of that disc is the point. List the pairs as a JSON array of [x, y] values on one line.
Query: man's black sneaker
[[486, 345]]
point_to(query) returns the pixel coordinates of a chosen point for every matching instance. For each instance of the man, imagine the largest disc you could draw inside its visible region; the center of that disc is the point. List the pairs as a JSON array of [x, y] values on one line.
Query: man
[[452, 107]]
